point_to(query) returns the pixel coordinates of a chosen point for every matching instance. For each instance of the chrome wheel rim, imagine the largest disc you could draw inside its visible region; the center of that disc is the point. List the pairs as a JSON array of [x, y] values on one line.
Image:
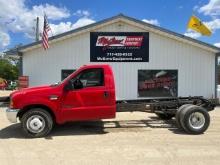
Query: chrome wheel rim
[[196, 120], [35, 124]]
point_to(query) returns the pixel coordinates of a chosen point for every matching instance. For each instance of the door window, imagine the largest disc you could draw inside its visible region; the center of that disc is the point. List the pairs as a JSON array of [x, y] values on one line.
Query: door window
[[92, 77]]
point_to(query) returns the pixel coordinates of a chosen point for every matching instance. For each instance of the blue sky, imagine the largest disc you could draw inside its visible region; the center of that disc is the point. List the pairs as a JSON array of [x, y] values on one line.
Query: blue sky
[[17, 20]]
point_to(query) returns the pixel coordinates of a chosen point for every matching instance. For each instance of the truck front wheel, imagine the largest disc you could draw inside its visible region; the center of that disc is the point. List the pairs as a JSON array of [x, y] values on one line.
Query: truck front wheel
[[36, 123]]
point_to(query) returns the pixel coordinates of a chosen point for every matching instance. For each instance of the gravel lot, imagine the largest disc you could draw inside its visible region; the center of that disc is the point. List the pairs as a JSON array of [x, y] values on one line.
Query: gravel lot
[[131, 138]]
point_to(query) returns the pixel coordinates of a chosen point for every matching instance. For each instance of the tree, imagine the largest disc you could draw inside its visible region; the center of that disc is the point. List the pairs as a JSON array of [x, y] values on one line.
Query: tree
[[8, 71]]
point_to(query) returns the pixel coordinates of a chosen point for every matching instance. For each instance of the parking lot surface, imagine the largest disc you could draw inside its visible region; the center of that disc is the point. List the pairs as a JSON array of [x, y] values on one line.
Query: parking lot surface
[[131, 138]]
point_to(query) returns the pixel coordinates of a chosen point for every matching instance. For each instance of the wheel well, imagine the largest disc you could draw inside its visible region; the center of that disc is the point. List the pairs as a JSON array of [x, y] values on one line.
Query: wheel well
[[29, 107]]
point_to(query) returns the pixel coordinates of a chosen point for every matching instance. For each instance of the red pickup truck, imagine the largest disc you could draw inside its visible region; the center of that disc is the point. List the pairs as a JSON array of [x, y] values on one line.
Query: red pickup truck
[[89, 94]]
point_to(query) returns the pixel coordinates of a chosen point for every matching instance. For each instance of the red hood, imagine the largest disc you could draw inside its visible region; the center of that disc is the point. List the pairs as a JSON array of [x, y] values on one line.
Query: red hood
[[31, 89], [32, 95]]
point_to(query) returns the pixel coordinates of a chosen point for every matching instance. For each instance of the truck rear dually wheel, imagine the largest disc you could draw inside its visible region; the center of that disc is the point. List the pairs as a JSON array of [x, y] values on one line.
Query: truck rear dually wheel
[[36, 123], [194, 119], [177, 116]]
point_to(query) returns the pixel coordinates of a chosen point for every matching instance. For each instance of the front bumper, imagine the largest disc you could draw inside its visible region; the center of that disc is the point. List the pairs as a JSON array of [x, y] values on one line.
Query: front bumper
[[12, 115]]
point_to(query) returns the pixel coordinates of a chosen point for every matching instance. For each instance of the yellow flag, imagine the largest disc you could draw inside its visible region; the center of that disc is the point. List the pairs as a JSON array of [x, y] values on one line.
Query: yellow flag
[[197, 25]]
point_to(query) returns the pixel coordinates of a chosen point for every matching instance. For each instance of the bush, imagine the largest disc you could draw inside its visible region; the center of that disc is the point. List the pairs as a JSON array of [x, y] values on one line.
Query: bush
[[8, 71]]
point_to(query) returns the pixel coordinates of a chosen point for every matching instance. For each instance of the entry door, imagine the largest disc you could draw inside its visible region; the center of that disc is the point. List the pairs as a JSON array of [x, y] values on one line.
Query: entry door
[[90, 102]]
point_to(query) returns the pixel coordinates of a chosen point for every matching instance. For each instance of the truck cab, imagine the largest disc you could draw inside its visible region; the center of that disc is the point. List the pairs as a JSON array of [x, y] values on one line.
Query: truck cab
[[87, 94]]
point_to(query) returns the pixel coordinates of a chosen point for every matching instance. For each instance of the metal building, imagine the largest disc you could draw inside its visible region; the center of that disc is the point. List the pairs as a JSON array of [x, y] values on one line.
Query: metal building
[[160, 62]]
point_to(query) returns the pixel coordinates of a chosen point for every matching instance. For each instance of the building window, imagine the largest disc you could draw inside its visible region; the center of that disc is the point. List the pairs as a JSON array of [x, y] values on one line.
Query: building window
[[218, 60], [157, 83], [66, 72]]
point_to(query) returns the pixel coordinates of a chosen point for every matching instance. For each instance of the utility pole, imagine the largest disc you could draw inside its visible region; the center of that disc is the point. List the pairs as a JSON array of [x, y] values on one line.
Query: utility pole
[[37, 29]]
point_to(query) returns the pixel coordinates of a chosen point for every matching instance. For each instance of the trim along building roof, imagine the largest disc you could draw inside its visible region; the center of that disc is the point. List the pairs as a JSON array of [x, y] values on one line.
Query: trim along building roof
[[126, 19]]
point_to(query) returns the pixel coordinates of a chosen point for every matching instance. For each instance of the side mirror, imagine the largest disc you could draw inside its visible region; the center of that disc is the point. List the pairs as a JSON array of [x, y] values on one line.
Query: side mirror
[[77, 84], [68, 86]]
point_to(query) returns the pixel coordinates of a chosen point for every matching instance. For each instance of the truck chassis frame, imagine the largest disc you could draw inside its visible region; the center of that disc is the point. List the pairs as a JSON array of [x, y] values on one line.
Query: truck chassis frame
[[164, 105], [191, 113]]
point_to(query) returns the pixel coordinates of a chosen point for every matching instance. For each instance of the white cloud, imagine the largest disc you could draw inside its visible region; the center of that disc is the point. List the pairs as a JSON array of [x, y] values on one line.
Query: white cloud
[[152, 21], [217, 44], [195, 8], [82, 22], [19, 18], [60, 28], [4, 39], [192, 34], [66, 26], [214, 24], [212, 8], [82, 13], [53, 12]]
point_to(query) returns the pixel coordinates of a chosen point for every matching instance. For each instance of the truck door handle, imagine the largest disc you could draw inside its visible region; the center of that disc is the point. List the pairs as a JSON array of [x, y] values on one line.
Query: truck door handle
[[106, 94]]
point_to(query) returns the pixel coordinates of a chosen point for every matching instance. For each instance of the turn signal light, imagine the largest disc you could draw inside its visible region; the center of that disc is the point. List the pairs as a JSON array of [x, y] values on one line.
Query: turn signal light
[[11, 104]]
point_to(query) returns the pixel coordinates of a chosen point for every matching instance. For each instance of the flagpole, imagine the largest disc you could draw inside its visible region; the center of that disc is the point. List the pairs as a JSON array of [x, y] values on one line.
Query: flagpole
[[37, 30]]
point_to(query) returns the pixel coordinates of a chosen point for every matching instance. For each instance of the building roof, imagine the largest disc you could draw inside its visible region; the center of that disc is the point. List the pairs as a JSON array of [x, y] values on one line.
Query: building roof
[[122, 17]]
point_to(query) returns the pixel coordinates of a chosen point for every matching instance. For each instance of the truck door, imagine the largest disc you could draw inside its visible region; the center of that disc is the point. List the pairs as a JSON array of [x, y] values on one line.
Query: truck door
[[90, 97]]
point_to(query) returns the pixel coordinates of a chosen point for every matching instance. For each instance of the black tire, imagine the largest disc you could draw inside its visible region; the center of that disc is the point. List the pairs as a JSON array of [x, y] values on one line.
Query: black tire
[[165, 116], [181, 115], [34, 118], [201, 115], [177, 116]]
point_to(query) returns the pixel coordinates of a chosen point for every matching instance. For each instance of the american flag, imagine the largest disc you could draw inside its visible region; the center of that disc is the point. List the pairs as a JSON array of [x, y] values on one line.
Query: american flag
[[45, 33]]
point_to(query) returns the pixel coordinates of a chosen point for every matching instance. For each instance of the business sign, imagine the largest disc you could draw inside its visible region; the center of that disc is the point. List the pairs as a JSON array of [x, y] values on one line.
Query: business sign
[[119, 47], [157, 83], [23, 82]]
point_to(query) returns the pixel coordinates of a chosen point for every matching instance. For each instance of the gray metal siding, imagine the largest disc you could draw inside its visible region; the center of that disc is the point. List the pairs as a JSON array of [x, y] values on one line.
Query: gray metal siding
[[196, 67]]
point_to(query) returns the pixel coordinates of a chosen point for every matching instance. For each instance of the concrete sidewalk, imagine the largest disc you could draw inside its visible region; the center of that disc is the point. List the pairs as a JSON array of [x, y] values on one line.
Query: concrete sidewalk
[[5, 93]]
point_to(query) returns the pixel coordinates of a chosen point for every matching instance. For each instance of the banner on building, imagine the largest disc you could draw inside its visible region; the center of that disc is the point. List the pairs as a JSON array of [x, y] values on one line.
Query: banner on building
[[23, 82], [119, 47], [157, 83]]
